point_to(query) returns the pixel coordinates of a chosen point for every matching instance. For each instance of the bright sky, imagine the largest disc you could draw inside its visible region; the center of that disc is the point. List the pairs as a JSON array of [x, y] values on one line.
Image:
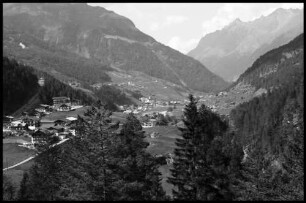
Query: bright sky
[[181, 25]]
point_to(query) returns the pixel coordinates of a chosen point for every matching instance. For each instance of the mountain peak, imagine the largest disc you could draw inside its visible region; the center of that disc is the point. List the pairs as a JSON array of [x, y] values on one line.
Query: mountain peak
[[234, 23], [229, 51], [237, 20]]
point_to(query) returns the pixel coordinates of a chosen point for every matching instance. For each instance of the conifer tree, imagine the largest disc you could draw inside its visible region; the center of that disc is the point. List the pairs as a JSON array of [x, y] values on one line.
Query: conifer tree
[[199, 160], [8, 189], [138, 170], [184, 160], [23, 191]]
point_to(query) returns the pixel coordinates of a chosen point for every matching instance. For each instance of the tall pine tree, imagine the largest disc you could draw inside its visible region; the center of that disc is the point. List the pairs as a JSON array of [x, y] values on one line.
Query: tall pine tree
[[199, 160]]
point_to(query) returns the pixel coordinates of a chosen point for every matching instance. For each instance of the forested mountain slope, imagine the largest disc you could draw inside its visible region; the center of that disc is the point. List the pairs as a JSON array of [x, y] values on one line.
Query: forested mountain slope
[[20, 83], [271, 127], [100, 36]]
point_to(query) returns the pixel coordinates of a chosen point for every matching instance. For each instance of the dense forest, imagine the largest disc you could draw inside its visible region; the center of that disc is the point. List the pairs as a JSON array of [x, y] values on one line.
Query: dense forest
[[19, 85], [110, 95], [277, 67], [271, 129]]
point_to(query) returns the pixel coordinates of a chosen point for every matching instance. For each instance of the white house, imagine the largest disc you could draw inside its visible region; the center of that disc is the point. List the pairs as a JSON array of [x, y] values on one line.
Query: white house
[[127, 111], [32, 127], [71, 118]]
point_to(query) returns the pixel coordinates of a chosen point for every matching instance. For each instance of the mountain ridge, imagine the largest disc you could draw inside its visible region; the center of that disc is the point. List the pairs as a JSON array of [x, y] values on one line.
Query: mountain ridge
[[102, 35], [231, 50]]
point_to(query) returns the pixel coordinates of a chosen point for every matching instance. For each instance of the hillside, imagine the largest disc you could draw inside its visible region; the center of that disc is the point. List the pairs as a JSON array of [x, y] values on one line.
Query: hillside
[[276, 67], [273, 70], [60, 32], [230, 51], [21, 91]]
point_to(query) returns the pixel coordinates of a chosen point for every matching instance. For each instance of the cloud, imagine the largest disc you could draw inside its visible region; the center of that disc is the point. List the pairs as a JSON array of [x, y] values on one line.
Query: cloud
[[184, 46], [292, 5], [175, 19], [154, 26], [169, 21]]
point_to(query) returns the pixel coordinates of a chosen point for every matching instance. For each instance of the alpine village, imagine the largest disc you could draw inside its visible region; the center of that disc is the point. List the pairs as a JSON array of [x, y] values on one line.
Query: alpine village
[[94, 109]]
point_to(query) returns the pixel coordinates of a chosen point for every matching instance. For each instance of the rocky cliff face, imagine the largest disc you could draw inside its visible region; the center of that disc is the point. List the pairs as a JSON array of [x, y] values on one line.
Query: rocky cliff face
[[230, 51], [101, 35]]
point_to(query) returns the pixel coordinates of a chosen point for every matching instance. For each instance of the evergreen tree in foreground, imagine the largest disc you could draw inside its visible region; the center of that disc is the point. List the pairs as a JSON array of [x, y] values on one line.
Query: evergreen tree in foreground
[[138, 169], [200, 164], [97, 164]]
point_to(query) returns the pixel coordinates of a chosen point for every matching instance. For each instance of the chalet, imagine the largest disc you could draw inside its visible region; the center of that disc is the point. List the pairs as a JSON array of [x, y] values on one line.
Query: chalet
[[59, 122], [7, 119], [46, 123], [76, 102], [149, 124], [74, 84], [169, 158], [154, 135], [64, 107], [71, 118], [31, 120], [55, 129], [41, 81], [181, 124], [40, 110], [17, 123], [58, 101], [40, 136], [31, 127], [127, 111]]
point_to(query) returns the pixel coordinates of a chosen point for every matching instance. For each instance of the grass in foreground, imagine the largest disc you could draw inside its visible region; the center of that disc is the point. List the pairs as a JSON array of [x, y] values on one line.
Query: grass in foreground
[[13, 154]]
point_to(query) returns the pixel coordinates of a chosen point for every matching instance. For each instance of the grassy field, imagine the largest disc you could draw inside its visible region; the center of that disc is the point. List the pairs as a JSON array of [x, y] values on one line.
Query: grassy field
[[166, 142], [163, 90], [16, 174], [163, 145], [16, 139], [13, 154], [119, 116], [63, 114]]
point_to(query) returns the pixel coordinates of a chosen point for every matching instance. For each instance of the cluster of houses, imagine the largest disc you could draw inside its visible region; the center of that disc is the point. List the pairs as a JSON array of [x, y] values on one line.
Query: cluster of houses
[[74, 84], [40, 129], [152, 118], [59, 104], [147, 104]]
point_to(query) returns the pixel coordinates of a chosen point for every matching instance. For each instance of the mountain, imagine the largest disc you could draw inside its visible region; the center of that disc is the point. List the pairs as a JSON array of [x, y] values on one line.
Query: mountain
[[230, 51], [277, 67], [271, 72], [271, 126], [103, 39]]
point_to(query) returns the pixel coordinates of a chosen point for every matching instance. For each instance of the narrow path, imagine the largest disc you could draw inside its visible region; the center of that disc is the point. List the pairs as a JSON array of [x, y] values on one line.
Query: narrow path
[[24, 161], [30, 158]]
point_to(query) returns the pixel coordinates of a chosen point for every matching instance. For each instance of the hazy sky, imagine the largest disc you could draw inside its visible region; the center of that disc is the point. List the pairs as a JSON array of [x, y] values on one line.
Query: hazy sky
[[181, 25]]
